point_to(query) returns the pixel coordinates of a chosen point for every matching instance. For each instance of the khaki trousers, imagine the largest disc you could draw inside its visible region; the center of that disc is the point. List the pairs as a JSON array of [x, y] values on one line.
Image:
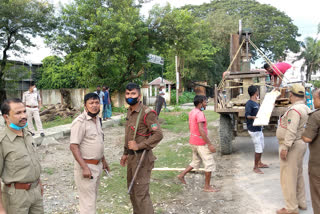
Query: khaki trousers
[[20, 201], [140, 197], [314, 179], [291, 177], [88, 188], [34, 113]]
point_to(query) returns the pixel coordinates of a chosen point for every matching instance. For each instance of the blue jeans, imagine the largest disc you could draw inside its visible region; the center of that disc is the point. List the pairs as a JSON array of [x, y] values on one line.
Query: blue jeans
[[104, 112], [109, 110]]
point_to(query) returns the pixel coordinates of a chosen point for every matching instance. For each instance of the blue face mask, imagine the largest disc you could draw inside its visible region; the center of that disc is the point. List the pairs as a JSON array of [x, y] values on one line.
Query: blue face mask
[[15, 127], [202, 109], [132, 101]]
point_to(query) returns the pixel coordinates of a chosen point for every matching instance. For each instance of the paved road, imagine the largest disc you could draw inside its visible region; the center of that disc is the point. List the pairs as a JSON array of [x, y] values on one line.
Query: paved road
[[264, 188]]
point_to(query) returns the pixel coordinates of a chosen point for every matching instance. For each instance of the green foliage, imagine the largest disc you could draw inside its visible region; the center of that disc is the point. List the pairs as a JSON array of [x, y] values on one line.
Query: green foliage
[[106, 41], [273, 30], [55, 74], [58, 122], [175, 121], [186, 97], [20, 21], [316, 83], [121, 109], [311, 55]]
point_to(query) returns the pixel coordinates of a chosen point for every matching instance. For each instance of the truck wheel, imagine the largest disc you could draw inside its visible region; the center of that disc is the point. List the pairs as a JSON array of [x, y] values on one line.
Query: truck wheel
[[226, 134]]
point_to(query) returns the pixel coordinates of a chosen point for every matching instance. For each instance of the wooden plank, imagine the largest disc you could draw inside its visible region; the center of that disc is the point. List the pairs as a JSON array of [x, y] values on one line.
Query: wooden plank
[[245, 72], [234, 46], [244, 76], [175, 169], [265, 111]]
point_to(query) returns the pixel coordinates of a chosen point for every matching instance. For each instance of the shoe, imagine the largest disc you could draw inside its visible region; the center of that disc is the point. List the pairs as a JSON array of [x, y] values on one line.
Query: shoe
[[284, 211], [302, 207], [42, 134]]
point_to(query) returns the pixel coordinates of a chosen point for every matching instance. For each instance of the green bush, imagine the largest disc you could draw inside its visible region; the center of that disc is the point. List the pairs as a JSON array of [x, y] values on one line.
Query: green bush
[[186, 97], [316, 83], [121, 109]]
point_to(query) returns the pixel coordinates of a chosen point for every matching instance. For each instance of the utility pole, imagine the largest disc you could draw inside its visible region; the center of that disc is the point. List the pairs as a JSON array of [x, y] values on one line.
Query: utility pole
[[177, 80]]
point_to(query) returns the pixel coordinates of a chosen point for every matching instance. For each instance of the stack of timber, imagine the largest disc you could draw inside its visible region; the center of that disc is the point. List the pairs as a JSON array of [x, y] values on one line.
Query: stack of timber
[[52, 112]]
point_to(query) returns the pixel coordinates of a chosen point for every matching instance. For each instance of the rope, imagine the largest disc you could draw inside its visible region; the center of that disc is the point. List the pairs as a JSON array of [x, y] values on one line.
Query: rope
[[221, 84], [268, 61]]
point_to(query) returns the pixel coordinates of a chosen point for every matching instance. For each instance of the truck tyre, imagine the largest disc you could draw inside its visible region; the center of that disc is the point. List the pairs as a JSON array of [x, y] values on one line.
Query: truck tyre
[[226, 134]]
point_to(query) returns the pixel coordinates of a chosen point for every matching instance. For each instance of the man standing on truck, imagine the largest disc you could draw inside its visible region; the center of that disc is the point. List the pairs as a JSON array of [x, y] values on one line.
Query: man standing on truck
[[278, 69], [251, 109]]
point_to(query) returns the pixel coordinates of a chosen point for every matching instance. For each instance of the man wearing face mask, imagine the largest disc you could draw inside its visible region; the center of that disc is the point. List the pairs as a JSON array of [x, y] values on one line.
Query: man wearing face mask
[[148, 135], [202, 148], [86, 145], [292, 150], [255, 132], [19, 165], [32, 100]]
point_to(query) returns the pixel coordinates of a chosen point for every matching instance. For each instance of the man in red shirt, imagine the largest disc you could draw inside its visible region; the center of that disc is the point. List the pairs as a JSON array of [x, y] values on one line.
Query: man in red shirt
[[202, 148], [278, 69]]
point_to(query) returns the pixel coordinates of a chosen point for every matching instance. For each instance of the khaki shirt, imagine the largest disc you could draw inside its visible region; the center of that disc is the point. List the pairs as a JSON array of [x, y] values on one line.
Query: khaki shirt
[[312, 132], [31, 98], [292, 124], [88, 134], [149, 133], [18, 159]]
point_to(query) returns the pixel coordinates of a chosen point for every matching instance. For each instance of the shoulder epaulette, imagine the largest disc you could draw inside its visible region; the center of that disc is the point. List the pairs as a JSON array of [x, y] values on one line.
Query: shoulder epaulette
[[315, 110], [2, 135], [147, 111]]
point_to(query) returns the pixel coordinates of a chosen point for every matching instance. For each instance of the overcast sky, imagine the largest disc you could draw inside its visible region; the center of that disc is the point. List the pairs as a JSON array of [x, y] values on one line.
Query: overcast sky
[[305, 14]]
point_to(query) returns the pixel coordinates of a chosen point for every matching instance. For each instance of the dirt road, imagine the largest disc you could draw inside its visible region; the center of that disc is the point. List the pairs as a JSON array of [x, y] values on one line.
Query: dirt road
[[242, 191]]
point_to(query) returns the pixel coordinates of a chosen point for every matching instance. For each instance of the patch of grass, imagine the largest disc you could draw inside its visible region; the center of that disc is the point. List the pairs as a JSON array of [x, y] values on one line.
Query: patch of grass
[[48, 170], [113, 197], [121, 109], [57, 122], [175, 121], [211, 116], [179, 121]]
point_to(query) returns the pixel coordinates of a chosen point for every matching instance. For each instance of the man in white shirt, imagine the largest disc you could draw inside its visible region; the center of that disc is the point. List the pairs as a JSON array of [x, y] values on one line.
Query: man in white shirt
[[32, 101]]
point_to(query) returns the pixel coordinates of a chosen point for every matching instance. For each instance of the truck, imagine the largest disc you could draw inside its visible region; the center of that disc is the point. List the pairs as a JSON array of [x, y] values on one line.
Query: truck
[[232, 93]]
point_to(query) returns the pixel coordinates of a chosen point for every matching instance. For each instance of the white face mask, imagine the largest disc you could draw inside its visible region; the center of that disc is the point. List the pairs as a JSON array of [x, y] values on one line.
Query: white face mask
[[34, 89]]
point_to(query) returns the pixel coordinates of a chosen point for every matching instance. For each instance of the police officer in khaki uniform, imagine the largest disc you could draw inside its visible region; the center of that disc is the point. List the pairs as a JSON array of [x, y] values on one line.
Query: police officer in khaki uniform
[[292, 150], [311, 135], [148, 135], [32, 101], [19, 166], [86, 144]]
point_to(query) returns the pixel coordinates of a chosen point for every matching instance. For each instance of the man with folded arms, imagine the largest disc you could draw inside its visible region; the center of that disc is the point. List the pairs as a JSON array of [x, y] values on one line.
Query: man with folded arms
[[19, 165], [86, 144]]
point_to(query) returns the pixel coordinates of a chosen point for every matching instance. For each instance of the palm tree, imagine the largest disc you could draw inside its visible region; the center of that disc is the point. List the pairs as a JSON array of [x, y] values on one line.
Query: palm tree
[[311, 56]]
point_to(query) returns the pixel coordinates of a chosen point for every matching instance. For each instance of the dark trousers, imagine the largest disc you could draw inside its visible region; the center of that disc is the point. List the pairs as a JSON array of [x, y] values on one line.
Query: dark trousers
[[314, 179], [140, 197]]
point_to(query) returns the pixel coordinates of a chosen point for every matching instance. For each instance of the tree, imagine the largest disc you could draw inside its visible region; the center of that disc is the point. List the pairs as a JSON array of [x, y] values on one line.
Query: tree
[[107, 41], [311, 55], [273, 31], [55, 74], [20, 21], [174, 32]]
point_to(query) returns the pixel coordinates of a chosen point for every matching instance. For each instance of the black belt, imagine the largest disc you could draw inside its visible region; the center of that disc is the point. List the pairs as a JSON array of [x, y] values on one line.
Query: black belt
[[131, 152]]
